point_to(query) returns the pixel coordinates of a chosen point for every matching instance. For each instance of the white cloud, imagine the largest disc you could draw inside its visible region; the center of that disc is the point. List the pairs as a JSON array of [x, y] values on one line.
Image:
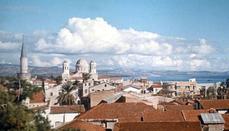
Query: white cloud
[[97, 36], [110, 46], [42, 62], [199, 64], [8, 45], [129, 47]]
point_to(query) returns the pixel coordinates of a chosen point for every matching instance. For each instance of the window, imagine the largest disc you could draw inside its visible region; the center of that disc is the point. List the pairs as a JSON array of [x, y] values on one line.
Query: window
[[105, 85], [85, 91], [51, 94]]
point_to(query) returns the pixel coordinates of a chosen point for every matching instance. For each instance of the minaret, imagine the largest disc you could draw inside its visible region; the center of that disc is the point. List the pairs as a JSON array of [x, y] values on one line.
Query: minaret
[[24, 73], [23, 61]]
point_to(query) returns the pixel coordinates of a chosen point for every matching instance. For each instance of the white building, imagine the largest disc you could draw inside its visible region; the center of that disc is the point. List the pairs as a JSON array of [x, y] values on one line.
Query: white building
[[133, 89], [58, 115], [89, 87], [82, 67]]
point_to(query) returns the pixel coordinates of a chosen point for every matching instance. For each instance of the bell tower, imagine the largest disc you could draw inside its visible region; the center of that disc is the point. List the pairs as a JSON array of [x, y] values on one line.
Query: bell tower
[[65, 74]]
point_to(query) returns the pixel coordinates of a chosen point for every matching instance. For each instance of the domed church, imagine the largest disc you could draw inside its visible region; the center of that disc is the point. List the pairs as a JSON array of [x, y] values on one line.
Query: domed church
[[81, 67]]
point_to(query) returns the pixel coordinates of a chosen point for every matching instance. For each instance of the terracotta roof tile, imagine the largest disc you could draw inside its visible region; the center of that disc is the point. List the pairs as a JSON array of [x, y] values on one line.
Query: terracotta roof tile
[[226, 119], [67, 109], [163, 116], [38, 97], [178, 107], [216, 104], [116, 110], [157, 126], [192, 115], [158, 85], [75, 124]]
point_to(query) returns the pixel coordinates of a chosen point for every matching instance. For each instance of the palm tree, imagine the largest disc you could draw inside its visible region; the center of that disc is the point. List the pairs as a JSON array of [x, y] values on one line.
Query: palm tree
[[66, 97], [86, 77]]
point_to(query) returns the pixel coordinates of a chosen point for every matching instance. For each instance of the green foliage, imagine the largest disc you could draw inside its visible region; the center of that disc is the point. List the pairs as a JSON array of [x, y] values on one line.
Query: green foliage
[[21, 89], [14, 116], [42, 124], [66, 97], [17, 117]]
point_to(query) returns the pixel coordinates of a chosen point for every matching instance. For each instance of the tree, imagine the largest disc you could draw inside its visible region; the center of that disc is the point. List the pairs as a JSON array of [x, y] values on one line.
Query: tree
[[86, 77], [42, 124], [211, 92], [16, 117], [203, 92], [227, 83], [66, 97]]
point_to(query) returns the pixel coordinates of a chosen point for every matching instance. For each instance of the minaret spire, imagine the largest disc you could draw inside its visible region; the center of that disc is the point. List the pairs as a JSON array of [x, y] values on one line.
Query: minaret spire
[[23, 50], [24, 72]]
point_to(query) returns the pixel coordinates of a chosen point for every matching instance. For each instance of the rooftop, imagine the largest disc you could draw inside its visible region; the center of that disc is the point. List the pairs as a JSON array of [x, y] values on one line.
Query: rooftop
[[226, 119], [178, 107], [116, 111], [192, 115], [38, 97], [67, 109], [157, 126], [216, 104], [163, 116], [212, 118], [75, 124]]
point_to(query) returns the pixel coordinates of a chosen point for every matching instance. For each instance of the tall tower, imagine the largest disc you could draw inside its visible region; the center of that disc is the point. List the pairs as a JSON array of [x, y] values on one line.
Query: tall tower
[[24, 73], [92, 71], [92, 67], [65, 74]]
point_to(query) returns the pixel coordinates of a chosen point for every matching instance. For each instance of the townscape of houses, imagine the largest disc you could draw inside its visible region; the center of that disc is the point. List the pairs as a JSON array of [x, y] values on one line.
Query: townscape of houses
[[110, 103]]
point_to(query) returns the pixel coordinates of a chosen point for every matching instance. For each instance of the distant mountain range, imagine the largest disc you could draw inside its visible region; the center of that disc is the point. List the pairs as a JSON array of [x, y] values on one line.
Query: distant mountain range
[[201, 76]]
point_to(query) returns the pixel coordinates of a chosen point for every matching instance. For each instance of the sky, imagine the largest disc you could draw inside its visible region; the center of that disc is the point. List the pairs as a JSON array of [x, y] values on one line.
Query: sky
[[132, 34]]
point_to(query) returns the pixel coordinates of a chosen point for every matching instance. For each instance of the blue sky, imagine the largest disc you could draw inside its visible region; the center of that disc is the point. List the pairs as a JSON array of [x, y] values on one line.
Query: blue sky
[[192, 20]]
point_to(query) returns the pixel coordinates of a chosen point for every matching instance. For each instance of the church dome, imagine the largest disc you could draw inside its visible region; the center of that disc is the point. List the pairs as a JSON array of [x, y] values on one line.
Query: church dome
[[82, 66], [82, 62], [92, 62]]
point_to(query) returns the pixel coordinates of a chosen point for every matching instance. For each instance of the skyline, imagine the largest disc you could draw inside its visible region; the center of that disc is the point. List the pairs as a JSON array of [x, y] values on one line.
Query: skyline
[[143, 34]]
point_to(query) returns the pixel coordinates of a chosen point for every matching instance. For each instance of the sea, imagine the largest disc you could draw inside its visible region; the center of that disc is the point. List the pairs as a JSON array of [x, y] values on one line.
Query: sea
[[185, 77]]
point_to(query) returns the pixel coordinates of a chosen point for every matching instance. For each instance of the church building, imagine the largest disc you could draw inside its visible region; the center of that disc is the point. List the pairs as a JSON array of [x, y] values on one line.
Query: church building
[[81, 67]]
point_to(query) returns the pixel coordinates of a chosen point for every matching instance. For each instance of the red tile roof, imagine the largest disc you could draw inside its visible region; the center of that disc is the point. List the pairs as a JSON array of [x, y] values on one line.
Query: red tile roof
[[163, 116], [178, 107], [192, 115], [67, 109], [75, 124], [226, 124], [216, 104], [38, 97], [157, 126], [158, 85], [116, 111]]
